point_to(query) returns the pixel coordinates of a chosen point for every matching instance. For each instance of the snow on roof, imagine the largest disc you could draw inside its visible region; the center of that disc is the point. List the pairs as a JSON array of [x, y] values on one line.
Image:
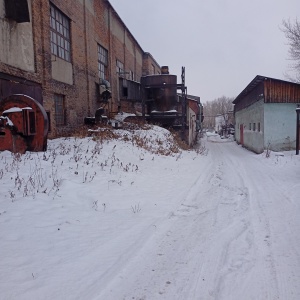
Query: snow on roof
[[15, 109], [8, 121], [122, 116], [165, 111]]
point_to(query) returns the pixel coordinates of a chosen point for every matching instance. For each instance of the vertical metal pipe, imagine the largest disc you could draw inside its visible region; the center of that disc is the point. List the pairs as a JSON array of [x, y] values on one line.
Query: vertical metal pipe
[[183, 95], [85, 32], [298, 130]]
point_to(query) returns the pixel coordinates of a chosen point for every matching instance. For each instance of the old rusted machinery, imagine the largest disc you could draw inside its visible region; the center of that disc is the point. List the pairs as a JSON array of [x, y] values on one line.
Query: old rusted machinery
[[161, 100], [161, 103], [23, 124]]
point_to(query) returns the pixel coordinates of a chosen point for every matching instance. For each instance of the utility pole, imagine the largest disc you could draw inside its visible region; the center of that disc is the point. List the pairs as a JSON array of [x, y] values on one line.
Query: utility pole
[[298, 130], [183, 95]]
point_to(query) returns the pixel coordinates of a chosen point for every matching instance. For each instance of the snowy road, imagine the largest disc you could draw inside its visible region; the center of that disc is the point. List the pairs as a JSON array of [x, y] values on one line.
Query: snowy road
[[109, 220], [233, 236]]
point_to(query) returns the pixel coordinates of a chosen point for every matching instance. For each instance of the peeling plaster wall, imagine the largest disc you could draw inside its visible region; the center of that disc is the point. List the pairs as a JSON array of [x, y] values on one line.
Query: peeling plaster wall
[[16, 41]]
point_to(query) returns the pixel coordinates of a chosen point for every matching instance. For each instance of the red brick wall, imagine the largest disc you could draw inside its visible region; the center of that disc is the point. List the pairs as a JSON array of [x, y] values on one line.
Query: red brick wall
[[89, 26]]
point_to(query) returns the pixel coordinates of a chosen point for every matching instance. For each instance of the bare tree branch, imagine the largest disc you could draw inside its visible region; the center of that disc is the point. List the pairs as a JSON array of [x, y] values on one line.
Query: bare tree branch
[[292, 33], [219, 106]]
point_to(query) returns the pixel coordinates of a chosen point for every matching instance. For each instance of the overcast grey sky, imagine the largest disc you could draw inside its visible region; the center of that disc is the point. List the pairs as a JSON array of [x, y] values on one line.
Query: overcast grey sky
[[223, 44]]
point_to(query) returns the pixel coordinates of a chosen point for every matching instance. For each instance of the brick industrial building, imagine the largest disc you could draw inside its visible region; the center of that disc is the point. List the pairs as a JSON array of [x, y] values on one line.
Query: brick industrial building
[[62, 53]]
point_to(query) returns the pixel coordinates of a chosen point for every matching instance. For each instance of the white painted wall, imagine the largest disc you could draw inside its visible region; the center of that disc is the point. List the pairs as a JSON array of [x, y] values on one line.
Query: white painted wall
[[253, 140], [277, 126], [16, 42], [280, 126]]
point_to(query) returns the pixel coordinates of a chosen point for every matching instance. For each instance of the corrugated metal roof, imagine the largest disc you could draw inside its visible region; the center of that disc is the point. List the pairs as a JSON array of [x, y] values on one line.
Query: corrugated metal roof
[[257, 80]]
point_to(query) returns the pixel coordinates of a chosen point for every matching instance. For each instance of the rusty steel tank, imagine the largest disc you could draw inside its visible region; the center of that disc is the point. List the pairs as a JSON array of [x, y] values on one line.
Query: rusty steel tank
[[163, 90], [23, 124], [161, 96]]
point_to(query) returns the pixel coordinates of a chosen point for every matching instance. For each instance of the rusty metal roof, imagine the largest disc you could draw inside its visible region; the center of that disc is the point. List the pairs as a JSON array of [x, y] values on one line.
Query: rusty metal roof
[[257, 80]]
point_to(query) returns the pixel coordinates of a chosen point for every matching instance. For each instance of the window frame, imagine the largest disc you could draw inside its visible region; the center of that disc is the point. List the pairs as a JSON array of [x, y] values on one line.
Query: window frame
[[120, 68], [60, 34], [60, 111], [102, 62]]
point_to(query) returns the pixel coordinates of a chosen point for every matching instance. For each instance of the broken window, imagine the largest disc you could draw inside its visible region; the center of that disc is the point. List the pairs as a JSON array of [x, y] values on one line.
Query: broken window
[[17, 10]]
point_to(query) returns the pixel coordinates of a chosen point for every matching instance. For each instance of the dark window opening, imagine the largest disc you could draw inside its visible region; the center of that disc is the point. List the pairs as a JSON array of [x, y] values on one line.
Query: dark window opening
[[17, 10], [49, 121], [32, 122], [29, 126], [125, 92]]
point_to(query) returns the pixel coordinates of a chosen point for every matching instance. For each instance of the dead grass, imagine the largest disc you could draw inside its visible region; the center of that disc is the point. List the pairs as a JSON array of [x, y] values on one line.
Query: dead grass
[[103, 132]]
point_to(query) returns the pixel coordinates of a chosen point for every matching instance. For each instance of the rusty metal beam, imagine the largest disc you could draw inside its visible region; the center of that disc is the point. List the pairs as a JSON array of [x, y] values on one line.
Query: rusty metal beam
[[160, 86]]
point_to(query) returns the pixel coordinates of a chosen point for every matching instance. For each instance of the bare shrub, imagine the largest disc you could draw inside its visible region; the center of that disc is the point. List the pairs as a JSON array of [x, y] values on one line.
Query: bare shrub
[[136, 208], [268, 151]]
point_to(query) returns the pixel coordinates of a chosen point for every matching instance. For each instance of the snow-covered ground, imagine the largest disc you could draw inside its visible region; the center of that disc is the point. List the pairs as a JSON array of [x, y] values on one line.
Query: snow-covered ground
[[94, 219]]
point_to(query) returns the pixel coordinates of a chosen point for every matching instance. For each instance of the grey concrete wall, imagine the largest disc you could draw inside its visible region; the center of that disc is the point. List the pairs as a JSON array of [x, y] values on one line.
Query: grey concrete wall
[[16, 41], [62, 70]]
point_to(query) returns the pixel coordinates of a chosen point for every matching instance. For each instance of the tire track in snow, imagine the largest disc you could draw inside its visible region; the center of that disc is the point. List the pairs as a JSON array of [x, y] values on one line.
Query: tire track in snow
[[269, 208], [231, 247], [198, 244], [217, 244], [264, 262]]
